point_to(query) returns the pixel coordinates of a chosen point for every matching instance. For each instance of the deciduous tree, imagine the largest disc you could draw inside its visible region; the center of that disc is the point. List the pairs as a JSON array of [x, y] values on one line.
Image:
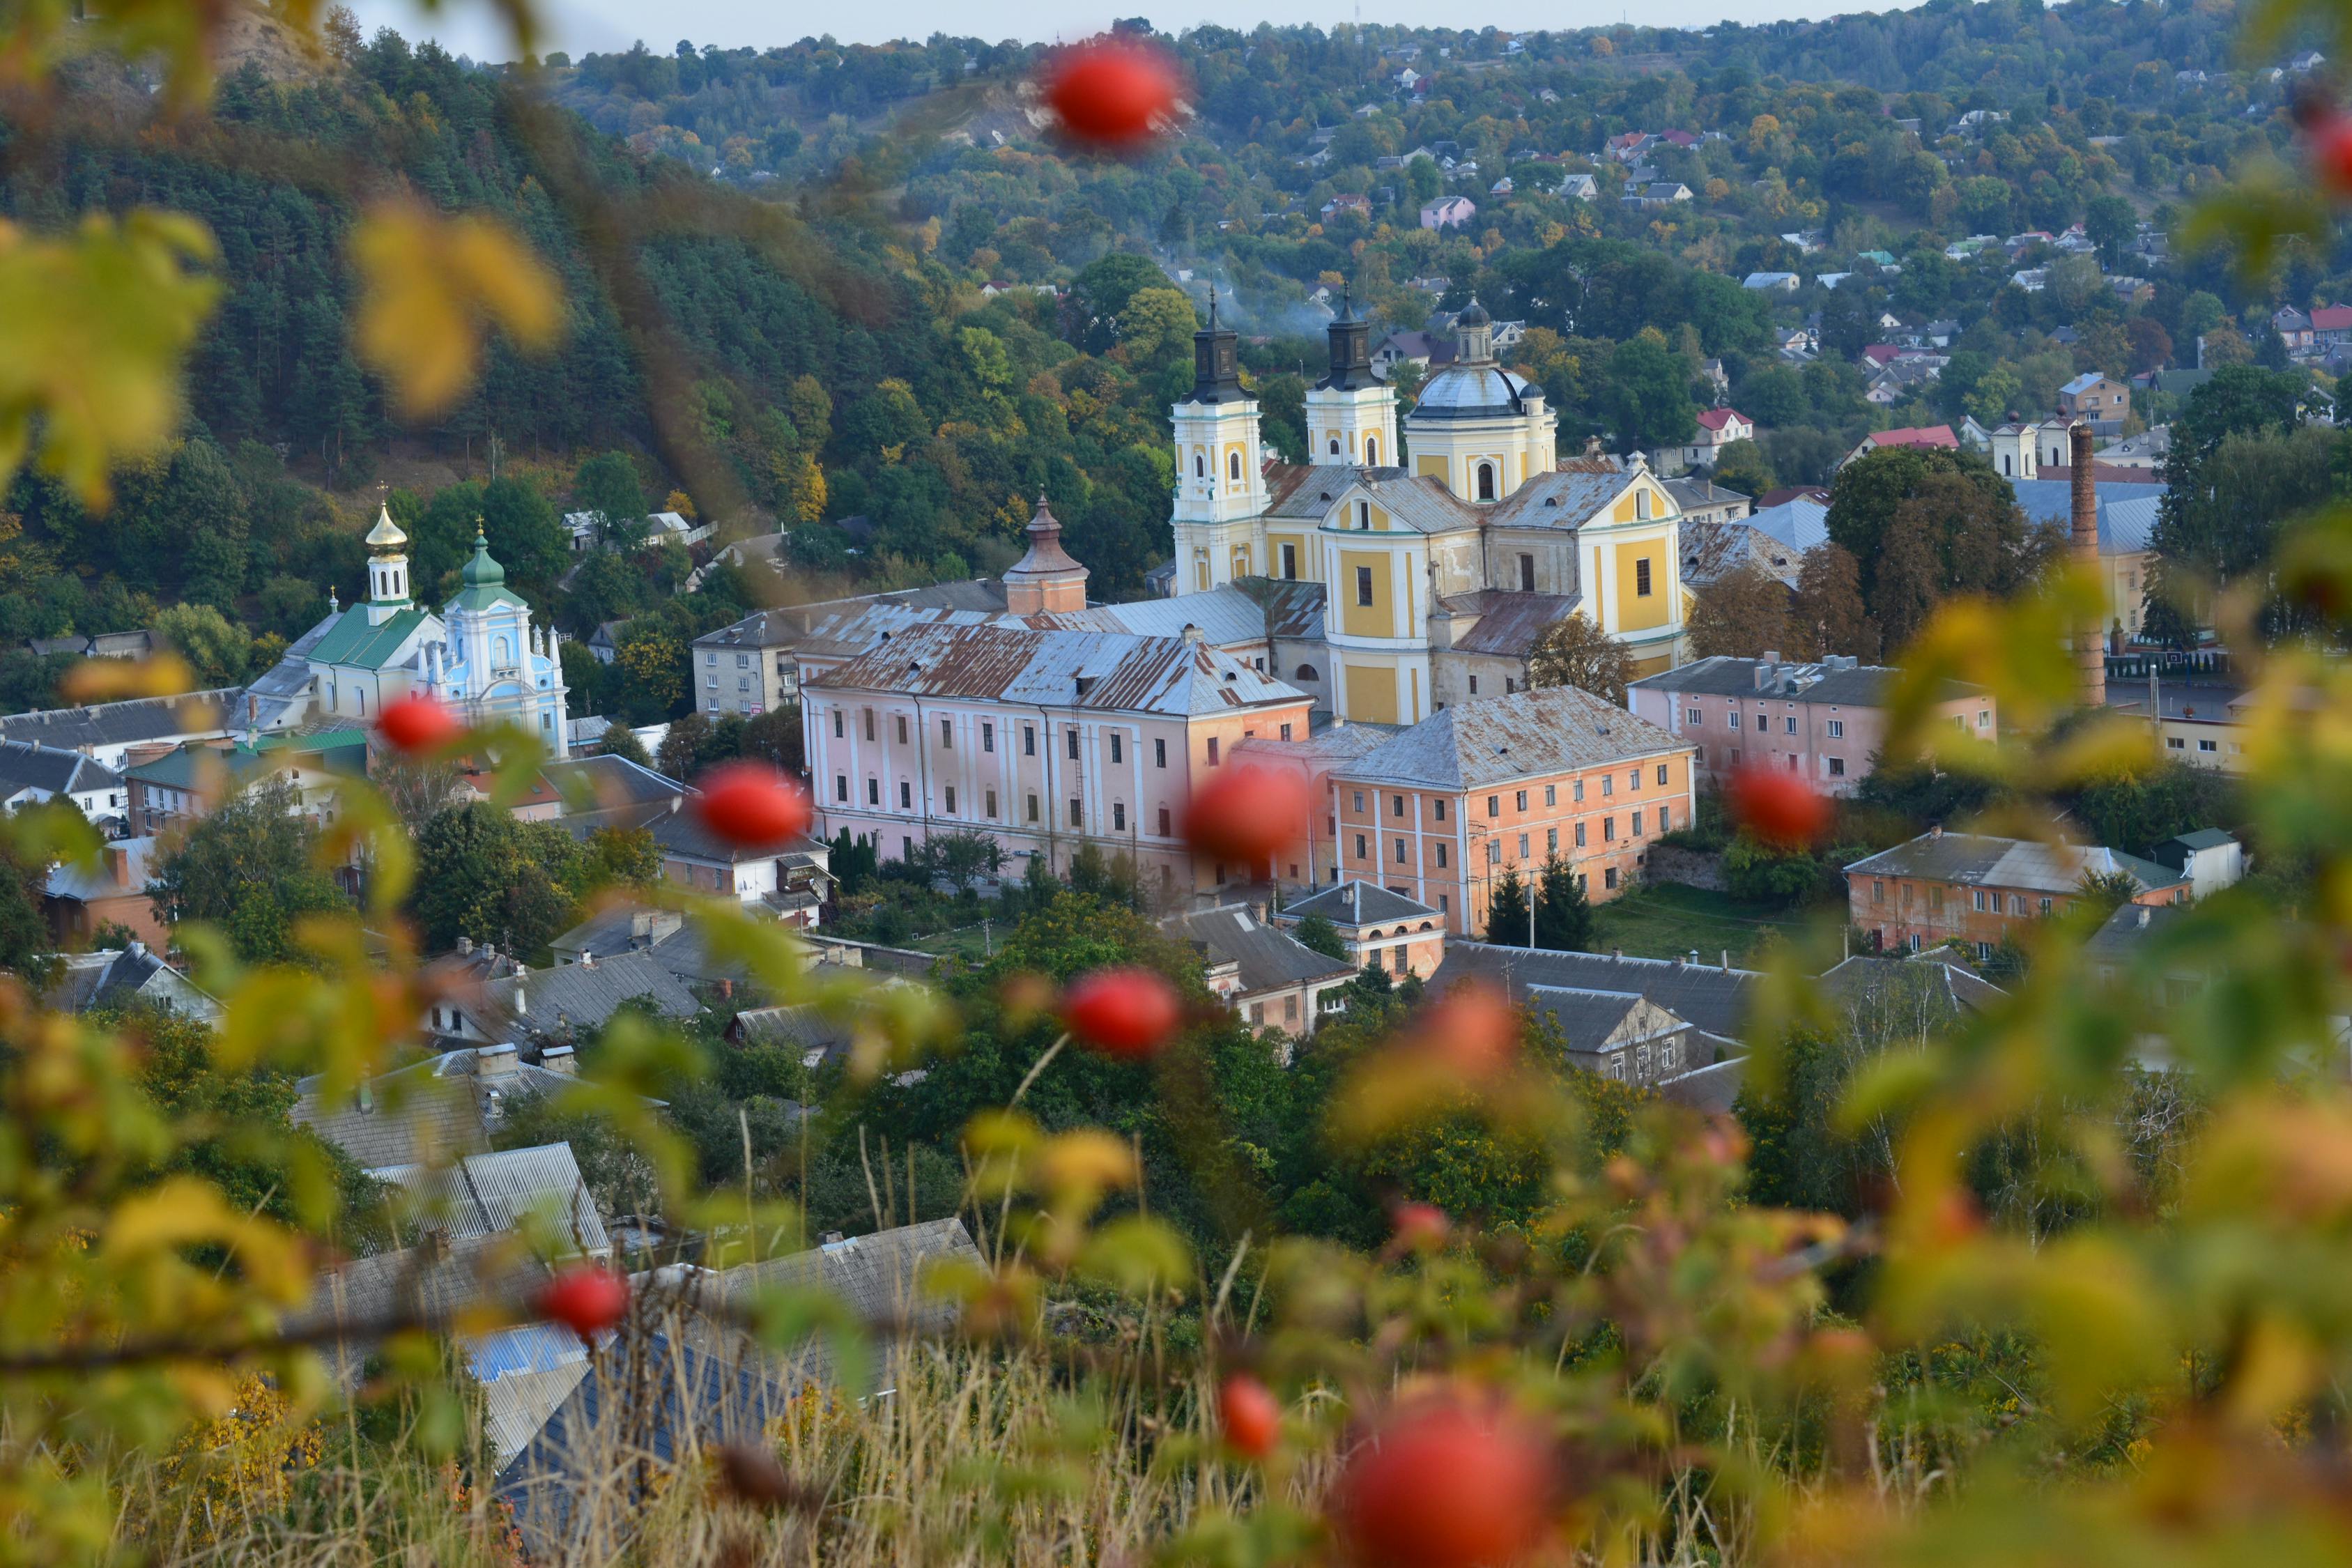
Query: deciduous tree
[[1574, 651], [1742, 614]]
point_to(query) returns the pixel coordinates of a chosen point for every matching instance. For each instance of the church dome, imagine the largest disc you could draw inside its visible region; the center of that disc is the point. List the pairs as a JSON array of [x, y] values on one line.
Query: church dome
[[1475, 391], [482, 570], [386, 534], [1473, 315]]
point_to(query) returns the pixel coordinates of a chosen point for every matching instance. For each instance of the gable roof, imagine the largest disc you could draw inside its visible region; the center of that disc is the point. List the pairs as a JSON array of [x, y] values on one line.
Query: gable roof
[[2127, 509], [490, 1194], [1912, 436], [1566, 498], [1711, 998], [1269, 958], [422, 1112], [54, 770], [1509, 622], [1978, 860], [111, 978], [354, 643], [1588, 1019], [1491, 739], [123, 723], [1359, 903], [576, 997]]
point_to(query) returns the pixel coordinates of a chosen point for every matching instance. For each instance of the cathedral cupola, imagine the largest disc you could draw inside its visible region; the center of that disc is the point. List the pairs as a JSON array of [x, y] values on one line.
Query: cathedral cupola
[[1473, 334], [1047, 578], [1352, 350], [387, 569], [1350, 412]]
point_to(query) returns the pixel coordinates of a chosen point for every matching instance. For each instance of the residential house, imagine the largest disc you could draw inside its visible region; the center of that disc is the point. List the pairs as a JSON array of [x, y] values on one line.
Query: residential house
[[433, 1110], [129, 976], [187, 782], [1579, 187], [606, 641], [790, 884], [1979, 889], [487, 1194], [1621, 1034], [1260, 971], [2211, 859], [1360, 206], [107, 731], [1703, 502], [515, 1005], [1502, 188], [1774, 539], [2331, 328], [1381, 929], [1907, 436], [666, 935], [2145, 452], [2199, 722], [1717, 428], [1048, 740], [2105, 403], [79, 898], [1442, 809], [1655, 194], [32, 773], [2126, 516], [1772, 282], [1825, 723], [1448, 212], [1419, 348], [2293, 327]]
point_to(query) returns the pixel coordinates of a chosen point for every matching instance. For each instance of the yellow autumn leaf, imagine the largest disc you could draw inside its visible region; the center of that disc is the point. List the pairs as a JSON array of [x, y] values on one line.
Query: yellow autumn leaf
[[431, 286], [112, 679], [92, 330]]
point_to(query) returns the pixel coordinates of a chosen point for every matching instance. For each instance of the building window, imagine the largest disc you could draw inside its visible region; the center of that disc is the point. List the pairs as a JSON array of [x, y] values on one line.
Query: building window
[[1637, 823], [742, 683], [1028, 740], [1493, 807], [951, 799], [1032, 806], [1364, 585], [1437, 809], [1400, 852], [1118, 816], [742, 661], [987, 735], [1164, 822], [836, 723], [1837, 729], [902, 729], [1359, 847], [1117, 754], [1200, 466], [1519, 801], [989, 802], [1290, 561], [1233, 465], [1396, 806], [1788, 724], [2176, 743], [1609, 879], [1608, 831], [841, 788], [1371, 452], [1363, 517], [1440, 856], [2047, 906], [1523, 846], [1494, 852], [1474, 686], [1693, 716], [1527, 574], [1733, 718], [1663, 826], [1984, 718], [1076, 820], [2208, 745], [1579, 835], [947, 734], [906, 796], [1642, 578], [1608, 785], [874, 792], [1633, 781], [1551, 840], [1877, 891], [1486, 481], [1212, 750], [869, 723]]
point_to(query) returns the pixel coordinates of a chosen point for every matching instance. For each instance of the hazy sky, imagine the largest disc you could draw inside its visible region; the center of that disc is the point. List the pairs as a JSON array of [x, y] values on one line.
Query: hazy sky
[[466, 26]]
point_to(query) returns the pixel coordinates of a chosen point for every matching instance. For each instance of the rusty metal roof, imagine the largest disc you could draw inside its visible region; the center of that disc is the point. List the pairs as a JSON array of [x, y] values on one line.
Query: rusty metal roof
[[1508, 623], [1531, 735], [1100, 671], [1569, 498]]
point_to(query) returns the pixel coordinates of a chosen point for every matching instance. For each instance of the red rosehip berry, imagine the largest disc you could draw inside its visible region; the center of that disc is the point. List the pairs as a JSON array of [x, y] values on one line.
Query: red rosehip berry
[[1419, 1227], [585, 1297], [2327, 142], [1112, 94], [1445, 1485], [416, 723], [1247, 813], [1472, 1029], [752, 805], [1249, 1415], [1778, 808], [1123, 1012]]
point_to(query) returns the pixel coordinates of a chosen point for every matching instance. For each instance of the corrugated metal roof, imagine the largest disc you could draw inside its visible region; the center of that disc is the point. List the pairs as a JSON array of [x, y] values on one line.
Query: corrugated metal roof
[[1294, 607], [1978, 860], [1269, 958], [1096, 671], [1586, 1018], [1490, 740], [2128, 511], [1801, 523], [1224, 616], [1713, 998], [577, 996], [1360, 904], [119, 723], [1568, 498], [1508, 623], [486, 1195], [354, 644]]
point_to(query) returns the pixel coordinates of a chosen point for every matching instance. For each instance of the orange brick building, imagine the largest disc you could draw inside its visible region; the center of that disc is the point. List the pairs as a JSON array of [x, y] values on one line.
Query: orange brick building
[[1439, 812], [1977, 889]]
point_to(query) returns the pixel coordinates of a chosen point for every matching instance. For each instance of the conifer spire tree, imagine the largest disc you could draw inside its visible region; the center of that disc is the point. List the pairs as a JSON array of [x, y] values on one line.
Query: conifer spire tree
[[1506, 912]]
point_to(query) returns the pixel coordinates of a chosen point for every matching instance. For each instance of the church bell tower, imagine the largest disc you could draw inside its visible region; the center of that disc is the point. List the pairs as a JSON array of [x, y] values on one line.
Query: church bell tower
[[387, 569], [1220, 467], [1351, 413]]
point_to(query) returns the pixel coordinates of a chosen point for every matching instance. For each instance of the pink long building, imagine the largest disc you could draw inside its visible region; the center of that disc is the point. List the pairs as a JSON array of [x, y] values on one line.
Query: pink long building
[[1825, 722], [1050, 740]]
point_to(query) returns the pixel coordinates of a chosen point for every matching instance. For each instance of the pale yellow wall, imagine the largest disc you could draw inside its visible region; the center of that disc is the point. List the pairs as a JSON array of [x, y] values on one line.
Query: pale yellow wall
[[1376, 619], [1371, 693], [1301, 549], [1429, 468], [1637, 612]]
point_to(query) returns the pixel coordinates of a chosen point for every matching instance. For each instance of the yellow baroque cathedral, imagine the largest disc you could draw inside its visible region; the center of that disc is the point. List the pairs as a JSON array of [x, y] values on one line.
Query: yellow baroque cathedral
[[1399, 577]]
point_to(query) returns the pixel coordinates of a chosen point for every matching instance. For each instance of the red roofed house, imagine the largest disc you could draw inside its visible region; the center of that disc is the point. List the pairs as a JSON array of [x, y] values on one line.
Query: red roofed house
[[2332, 324], [1717, 428], [1879, 356], [1909, 436]]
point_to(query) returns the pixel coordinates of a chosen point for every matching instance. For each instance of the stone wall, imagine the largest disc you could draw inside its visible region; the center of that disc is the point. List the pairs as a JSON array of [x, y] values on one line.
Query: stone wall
[[1692, 868]]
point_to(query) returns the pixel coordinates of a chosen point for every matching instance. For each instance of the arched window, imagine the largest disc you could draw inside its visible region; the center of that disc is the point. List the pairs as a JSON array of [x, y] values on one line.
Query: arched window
[[1486, 481], [1200, 466], [1371, 452], [1335, 446], [1426, 926], [1233, 465], [1307, 673], [505, 654]]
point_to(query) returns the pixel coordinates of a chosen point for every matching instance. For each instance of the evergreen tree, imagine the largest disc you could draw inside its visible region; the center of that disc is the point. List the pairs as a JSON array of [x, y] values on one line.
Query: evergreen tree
[[1506, 912], [1563, 914], [1320, 935]]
